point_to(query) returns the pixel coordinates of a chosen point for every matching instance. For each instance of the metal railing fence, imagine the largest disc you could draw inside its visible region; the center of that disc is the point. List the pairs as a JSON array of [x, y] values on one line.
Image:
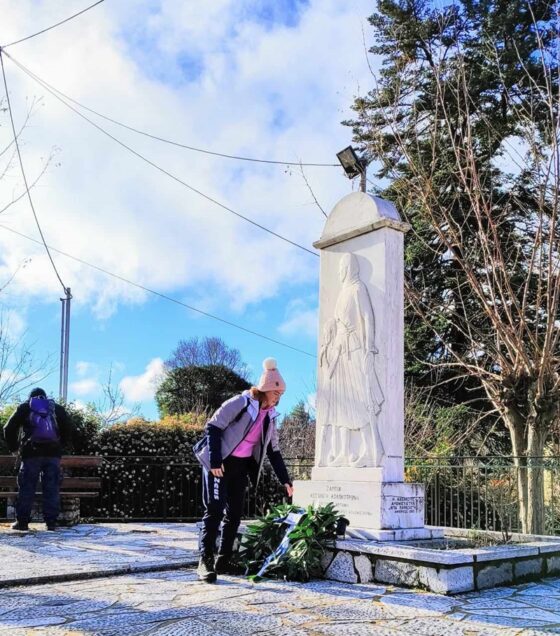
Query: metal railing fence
[[461, 492], [482, 493], [170, 489]]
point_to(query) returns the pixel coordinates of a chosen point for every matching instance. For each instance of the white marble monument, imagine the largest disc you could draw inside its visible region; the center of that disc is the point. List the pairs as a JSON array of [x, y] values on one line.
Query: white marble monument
[[359, 455]]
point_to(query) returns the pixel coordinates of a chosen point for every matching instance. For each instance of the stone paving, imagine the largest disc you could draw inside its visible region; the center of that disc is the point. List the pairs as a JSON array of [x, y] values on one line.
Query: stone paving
[[93, 550], [175, 603]]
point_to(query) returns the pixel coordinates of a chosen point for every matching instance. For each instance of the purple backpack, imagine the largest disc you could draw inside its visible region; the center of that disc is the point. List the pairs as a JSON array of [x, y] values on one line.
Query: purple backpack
[[42, 421]]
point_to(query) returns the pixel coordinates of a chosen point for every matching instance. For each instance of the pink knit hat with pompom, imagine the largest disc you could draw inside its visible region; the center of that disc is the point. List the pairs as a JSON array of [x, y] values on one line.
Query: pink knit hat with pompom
[[271, 380]]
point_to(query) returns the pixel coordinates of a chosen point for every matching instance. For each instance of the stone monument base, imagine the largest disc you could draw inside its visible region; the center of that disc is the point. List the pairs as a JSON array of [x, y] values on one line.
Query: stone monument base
[[344, 473], [368, 505], [404, 534], [445, 566]]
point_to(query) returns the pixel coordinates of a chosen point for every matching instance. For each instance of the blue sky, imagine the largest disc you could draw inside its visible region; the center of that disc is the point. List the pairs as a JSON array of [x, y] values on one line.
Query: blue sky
[[266, 79]]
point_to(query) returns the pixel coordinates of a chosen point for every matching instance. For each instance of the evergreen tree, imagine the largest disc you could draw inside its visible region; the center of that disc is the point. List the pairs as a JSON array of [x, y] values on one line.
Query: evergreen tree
[[188, 389], [462, 126]]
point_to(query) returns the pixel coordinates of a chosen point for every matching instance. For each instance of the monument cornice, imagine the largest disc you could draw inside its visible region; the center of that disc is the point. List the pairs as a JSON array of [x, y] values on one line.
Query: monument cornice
[[328, 241]]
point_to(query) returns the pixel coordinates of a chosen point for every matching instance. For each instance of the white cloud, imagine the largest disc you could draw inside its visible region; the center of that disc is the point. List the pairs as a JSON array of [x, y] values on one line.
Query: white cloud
[[140, 388], [12, 324], [300, 320], [84, 368], [213, 76], [87, 386]]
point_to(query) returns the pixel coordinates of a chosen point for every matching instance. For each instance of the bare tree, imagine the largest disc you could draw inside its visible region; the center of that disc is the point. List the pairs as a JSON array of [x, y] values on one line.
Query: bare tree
[[464, 121], [8, 160], [112, 408], [297, 433], [202, 352], [22, 265], [19, 371], [431, 429], [311, 191]]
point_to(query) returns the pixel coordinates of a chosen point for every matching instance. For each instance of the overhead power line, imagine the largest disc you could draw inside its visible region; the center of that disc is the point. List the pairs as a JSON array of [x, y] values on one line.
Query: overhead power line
[[181, 145], [159, 294], [171, 141], [193, 148], [27, 190], [55, 94], [53, 26]]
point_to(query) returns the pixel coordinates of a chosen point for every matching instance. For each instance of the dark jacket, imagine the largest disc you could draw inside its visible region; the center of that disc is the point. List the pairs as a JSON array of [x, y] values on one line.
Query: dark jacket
[[17, 434], [228, 427]]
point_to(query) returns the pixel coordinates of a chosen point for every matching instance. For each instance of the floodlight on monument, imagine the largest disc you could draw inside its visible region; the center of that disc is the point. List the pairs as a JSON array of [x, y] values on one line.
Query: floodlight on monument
[[351, 163]]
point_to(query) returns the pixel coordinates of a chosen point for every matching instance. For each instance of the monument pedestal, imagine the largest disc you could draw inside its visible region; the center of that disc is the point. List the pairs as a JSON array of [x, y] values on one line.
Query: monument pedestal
[[377, 510]]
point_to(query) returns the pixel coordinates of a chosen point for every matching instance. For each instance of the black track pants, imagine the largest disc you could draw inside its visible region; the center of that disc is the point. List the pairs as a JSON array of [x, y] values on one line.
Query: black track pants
[[223, 495]]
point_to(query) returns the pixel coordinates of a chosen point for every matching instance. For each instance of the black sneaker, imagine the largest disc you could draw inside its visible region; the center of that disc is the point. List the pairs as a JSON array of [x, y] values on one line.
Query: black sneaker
[[51, 527], [22, 526], [205, 570], [224, 565]]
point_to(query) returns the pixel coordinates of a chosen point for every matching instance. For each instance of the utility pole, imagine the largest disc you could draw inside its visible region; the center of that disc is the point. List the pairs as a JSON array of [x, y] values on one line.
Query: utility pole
[[64, 345]]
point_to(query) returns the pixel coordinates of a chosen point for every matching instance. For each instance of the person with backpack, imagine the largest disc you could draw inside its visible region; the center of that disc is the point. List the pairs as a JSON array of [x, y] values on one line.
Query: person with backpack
[[38, 430], [237, 438]]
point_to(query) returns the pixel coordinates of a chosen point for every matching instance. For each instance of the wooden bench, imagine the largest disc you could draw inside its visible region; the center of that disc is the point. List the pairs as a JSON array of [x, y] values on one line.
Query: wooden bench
[[72, 487]]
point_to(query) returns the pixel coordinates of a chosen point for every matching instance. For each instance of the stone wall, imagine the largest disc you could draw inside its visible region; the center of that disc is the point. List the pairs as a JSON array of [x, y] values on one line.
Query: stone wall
[[443, 571], [69, 511]]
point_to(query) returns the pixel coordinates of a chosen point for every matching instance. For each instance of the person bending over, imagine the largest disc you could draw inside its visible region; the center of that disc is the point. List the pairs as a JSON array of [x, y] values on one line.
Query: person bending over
[[237, 438]]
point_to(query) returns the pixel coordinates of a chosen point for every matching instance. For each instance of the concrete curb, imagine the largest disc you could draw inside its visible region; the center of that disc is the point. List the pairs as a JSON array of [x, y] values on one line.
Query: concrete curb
[[100, 574]]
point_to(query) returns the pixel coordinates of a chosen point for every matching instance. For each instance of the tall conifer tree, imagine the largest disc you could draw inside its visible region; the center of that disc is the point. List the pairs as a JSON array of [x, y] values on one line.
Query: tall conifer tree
[[462, 126]]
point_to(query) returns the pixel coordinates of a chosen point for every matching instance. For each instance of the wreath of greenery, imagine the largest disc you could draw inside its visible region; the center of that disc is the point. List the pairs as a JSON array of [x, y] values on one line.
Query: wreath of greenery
[[309, 540]]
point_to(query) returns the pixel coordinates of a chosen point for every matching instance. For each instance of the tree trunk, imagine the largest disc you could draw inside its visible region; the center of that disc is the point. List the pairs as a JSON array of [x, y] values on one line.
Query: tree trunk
[[516, 429], [535, 478], [522, 490]]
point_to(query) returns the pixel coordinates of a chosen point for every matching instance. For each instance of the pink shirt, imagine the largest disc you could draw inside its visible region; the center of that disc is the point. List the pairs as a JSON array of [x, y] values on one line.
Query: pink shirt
[[253, 437]]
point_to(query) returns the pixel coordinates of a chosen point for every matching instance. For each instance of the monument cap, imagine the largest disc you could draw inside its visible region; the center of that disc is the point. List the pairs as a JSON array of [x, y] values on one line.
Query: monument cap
[[271, 380]]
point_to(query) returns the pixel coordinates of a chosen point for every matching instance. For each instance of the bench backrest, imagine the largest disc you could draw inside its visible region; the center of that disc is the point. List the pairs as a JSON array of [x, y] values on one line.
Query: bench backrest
[[69, 483], [67, 461]]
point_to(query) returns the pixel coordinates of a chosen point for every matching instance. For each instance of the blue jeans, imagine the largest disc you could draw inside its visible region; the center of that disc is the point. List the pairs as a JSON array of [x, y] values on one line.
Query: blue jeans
[[48, 468]]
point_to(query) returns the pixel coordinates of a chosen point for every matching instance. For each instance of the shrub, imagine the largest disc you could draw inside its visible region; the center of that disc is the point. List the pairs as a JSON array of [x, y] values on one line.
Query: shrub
[[5, 414], [151, 470], [84, 431], [173, 435]]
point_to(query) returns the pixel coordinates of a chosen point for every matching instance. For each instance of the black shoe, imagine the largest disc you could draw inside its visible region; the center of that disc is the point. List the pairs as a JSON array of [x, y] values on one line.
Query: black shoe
[[51, 527], [224, 565], [22, 526], [205, 570]]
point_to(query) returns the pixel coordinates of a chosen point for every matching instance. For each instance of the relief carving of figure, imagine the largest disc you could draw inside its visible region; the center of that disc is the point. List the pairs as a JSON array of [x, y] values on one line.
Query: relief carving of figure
[[353, 395]]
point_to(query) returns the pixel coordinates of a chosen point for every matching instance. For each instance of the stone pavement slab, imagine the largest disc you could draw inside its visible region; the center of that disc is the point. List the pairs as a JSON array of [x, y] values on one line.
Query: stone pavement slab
[[157, 594], [175, 603], [86, 551]]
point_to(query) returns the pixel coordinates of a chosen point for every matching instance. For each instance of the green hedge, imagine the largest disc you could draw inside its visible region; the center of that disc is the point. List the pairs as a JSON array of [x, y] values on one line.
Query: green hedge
[[5, 414], [139, 477], [173, 435]]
